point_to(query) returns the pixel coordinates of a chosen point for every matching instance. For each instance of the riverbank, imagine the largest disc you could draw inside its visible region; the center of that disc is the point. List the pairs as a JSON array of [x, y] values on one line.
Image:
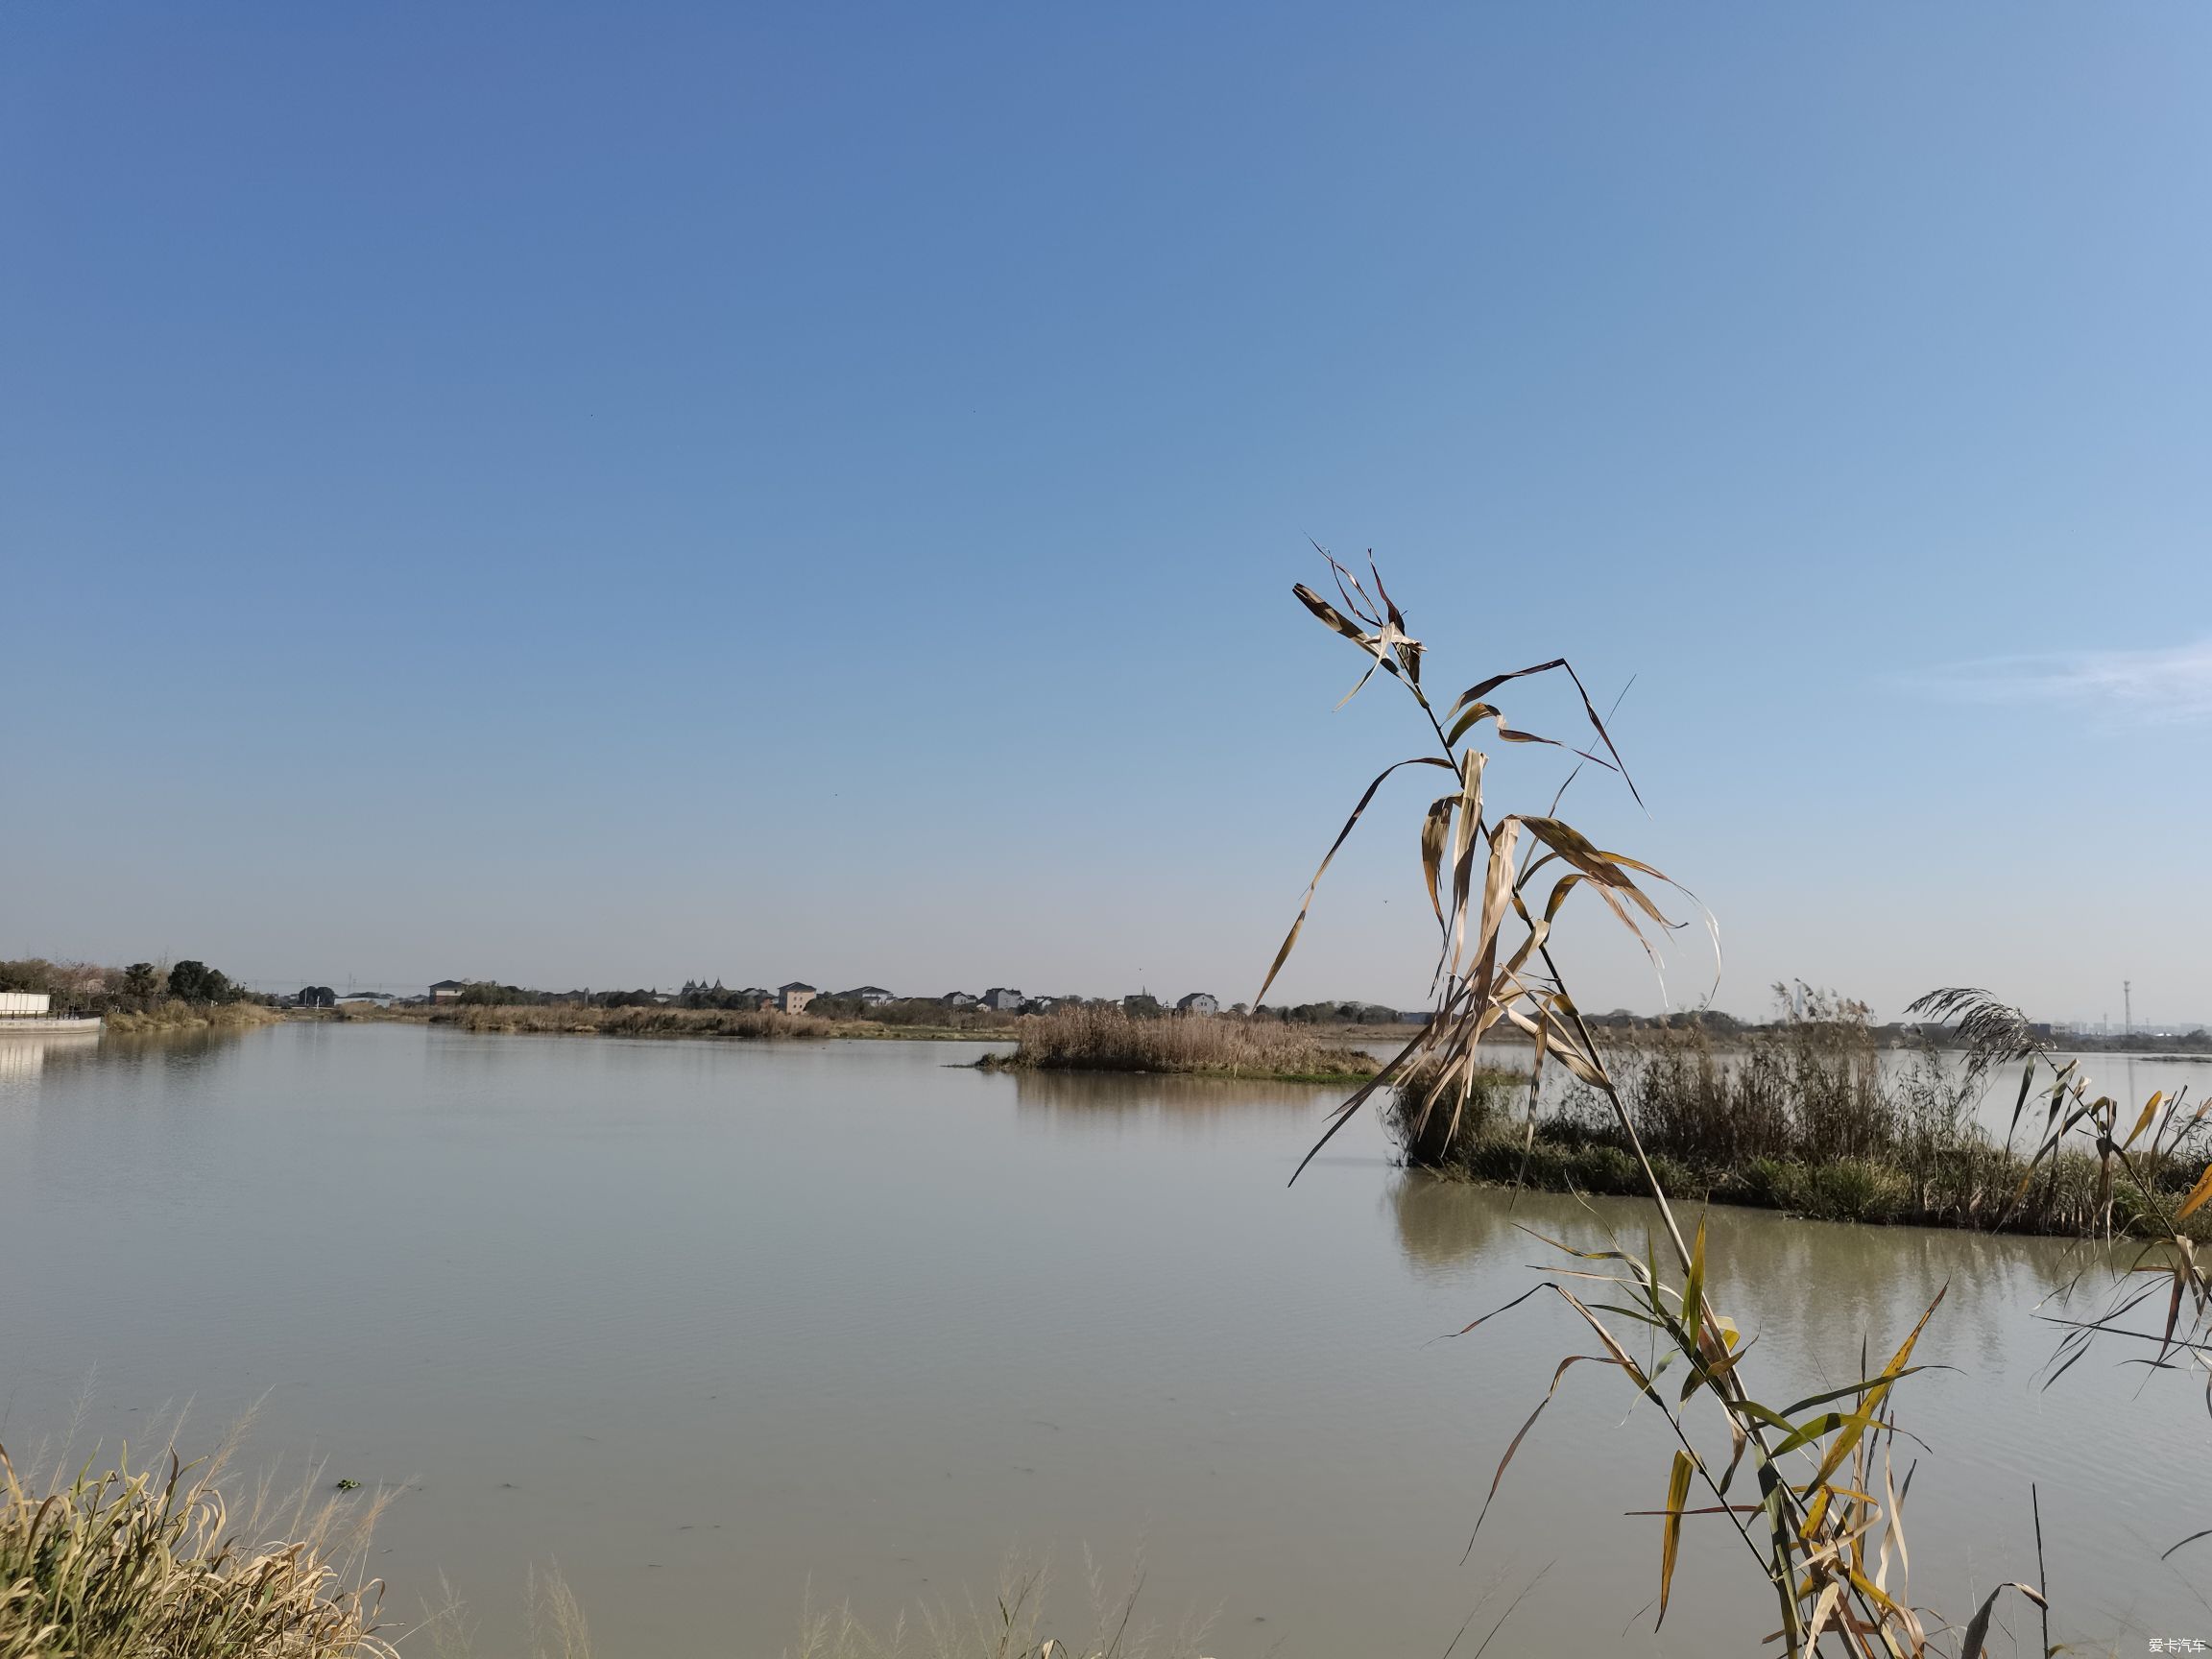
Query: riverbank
[[571, 1019], [1085, 1039]]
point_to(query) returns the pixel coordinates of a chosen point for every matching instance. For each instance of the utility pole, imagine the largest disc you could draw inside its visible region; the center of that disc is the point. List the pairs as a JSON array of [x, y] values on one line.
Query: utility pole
[[2128, 1007]]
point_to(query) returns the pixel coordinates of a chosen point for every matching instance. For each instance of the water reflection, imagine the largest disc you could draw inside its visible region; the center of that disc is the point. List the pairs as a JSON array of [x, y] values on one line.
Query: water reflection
[[1171, 1099], [1800, 1282], [22, 1058]]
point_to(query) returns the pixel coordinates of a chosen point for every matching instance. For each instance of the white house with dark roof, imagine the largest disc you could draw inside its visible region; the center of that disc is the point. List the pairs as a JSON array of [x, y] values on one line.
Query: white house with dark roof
[[873, 996], [1004, 998], [447, 990], [1198, 1003]]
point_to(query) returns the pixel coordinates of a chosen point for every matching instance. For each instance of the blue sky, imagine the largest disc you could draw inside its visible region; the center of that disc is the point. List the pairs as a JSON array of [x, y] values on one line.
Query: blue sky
[[595, 494]]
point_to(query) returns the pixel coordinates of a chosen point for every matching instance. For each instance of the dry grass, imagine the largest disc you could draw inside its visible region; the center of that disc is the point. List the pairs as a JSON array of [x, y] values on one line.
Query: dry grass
[[153, 1565], [177, 1016], [1103, 1037]]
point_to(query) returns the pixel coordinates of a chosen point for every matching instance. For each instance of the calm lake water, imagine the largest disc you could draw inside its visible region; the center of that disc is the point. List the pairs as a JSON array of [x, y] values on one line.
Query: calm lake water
[[719, 1328]]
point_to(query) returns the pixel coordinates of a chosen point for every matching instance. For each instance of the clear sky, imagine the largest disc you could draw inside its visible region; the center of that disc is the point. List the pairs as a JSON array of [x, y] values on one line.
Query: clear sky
[[597, 495]]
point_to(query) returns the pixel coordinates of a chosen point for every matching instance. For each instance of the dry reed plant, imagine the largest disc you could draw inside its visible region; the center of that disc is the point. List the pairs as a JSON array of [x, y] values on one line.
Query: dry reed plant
[[145, 1565], [1825, 1523], [1105, 1038], [2143, 1159]]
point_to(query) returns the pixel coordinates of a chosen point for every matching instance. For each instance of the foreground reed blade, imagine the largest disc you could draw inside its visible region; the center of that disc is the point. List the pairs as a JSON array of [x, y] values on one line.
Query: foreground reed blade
[[1822, 1513]]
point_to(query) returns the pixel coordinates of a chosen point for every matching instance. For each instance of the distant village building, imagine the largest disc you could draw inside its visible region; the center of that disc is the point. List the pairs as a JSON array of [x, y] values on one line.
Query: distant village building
[[959, 999], [792, 998], [872, 996], [1198, 1003], [447, 991], [1004, 999]]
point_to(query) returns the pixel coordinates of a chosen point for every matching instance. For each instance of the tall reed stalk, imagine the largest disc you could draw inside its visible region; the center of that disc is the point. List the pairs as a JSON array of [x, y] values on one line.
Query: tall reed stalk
[[1826, 1527]]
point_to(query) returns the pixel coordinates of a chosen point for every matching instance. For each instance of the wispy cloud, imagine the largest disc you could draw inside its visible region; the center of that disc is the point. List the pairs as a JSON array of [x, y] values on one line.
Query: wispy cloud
[[2169, 684]]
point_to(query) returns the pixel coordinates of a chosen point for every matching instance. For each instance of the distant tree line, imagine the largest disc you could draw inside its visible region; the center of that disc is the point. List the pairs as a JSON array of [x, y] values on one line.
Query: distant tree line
[[1331, 1014], [89, 988]]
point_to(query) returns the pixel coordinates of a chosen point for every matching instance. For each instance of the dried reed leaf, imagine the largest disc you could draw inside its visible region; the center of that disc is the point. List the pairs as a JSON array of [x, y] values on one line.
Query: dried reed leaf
[[2198, 1194], [1435, 827], [1671, 1530], [1977, 1636], [1284, 955]]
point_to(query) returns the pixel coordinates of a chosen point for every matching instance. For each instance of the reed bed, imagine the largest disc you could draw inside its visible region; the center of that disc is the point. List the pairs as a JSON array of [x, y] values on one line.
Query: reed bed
[[1104, 1038], [175, 1015], [150, 1565], [760, 1024], [1798, 1118]]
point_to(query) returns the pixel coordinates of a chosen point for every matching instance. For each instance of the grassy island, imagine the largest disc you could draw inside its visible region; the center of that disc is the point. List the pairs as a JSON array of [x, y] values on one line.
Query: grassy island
[[1799, 1117], [1094, 1037]]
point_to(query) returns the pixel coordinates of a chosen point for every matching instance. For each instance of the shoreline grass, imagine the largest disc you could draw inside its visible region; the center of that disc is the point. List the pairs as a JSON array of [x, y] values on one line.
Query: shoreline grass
[[572, 1019], [1108, 1039], [135, 1562], [180, 1016]]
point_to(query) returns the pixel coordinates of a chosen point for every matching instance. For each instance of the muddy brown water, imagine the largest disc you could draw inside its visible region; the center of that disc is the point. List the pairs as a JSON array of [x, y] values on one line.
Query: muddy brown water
[[724, 1330]]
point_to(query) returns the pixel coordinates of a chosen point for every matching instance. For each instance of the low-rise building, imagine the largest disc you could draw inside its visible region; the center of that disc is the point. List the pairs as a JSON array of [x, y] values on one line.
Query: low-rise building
[[959, 999], [870, 995], [1003, 999], [447, 990], [1198, 1003], [792, 998]]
